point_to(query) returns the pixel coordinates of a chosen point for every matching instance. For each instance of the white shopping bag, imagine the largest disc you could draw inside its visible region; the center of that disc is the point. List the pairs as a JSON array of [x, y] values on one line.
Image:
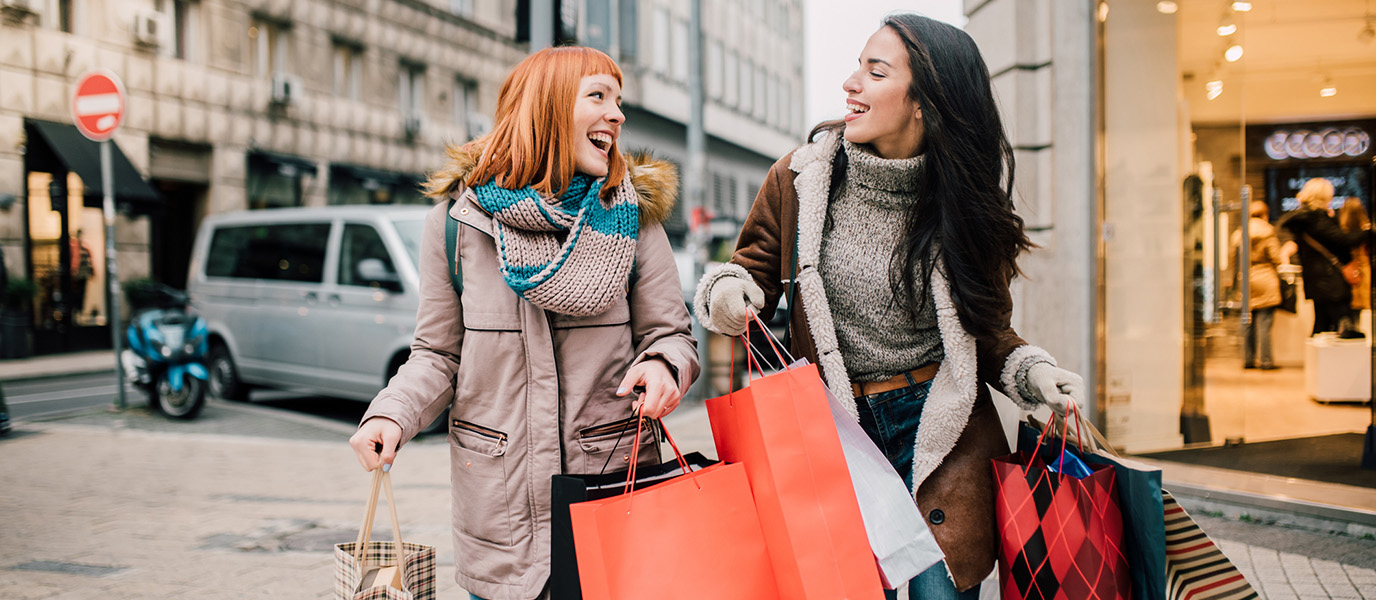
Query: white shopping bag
[[903, 545]]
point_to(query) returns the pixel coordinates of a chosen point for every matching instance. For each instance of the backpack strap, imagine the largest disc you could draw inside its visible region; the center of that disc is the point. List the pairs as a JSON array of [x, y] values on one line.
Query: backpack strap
[[451, 244]]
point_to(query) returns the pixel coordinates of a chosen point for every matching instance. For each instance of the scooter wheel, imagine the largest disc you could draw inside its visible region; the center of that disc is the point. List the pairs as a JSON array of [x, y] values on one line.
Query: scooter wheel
[[184, 404]]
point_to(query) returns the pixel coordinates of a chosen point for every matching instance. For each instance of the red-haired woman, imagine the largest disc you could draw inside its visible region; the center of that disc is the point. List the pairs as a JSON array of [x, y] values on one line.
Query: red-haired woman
[[570, 300]]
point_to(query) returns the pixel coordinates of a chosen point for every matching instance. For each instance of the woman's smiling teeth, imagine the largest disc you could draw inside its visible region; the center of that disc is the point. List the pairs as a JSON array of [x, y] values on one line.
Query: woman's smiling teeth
[[602, 140], [856, 108]]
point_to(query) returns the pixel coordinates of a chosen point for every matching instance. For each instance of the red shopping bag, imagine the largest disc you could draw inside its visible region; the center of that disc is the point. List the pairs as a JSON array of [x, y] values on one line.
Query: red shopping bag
[[695, 535], [1060, 538], [780, 427]]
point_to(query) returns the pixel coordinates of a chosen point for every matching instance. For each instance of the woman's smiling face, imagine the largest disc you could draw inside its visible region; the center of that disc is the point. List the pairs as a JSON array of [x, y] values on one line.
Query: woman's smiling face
[[879, 111], [597, 120]]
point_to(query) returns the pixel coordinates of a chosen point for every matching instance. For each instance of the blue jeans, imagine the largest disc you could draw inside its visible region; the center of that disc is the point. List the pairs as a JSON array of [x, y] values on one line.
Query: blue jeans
[[1258, 339], [891, 419]]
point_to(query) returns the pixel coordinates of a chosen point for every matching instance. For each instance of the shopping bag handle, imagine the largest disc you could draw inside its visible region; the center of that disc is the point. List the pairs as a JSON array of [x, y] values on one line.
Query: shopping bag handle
[[381, 479], [629, 488], [1065, 432]]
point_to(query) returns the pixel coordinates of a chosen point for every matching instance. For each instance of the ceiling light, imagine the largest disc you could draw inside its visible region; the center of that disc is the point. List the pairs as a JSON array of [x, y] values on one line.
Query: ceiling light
[[1328, 91], [1166, 7], [1214, 88], [1242, 6], [1233, 53], [1227, 29]]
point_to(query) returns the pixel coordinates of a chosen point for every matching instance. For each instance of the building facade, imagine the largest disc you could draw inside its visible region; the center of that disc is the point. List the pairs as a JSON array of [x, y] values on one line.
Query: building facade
[[230, 105], [1143, 130], [256, 104], [752, 61]]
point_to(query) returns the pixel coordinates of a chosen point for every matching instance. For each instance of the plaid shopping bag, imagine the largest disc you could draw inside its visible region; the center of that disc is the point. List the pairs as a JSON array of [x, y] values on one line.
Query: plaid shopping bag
[[352, 560]]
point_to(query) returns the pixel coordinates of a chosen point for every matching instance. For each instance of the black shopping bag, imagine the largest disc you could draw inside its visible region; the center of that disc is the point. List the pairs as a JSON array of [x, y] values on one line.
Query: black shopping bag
[[566, 490], [1139, 495]]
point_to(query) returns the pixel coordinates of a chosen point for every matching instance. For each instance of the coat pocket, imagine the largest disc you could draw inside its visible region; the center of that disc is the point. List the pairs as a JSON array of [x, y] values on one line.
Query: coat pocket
[[607, 447], [619, 313], [480, 498]]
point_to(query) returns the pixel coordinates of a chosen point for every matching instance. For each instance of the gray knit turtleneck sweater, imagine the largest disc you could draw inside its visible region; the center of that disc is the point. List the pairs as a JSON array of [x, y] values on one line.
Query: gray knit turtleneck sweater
[[878, 338]]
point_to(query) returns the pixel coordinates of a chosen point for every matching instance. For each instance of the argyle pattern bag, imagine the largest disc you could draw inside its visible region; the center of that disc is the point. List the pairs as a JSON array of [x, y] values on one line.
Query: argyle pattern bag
[[1060, 537]]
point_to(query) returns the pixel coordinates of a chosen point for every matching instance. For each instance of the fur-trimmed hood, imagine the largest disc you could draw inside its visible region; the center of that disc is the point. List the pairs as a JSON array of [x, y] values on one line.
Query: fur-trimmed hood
[[655, 180]]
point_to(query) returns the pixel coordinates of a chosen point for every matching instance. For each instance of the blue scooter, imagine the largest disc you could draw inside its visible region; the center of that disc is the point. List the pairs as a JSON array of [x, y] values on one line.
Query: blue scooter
[[167, 350]]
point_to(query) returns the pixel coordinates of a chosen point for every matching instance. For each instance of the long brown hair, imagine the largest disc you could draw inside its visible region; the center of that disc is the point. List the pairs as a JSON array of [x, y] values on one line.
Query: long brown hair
[[1352, 216], [965, 210], [532, 142]]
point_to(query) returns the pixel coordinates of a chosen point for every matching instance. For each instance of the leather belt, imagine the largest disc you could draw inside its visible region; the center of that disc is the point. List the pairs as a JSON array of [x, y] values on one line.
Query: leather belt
[[919, 375]]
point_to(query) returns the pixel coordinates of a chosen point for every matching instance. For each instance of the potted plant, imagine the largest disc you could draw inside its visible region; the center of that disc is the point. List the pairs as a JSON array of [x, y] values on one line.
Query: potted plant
[[16, 322]]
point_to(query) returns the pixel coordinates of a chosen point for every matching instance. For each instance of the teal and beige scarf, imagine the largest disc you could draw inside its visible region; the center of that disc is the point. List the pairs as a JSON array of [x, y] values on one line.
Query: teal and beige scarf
[[572, 254]]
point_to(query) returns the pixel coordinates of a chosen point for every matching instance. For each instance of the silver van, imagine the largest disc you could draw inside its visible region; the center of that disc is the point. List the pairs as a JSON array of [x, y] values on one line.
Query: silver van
[[317, 298]]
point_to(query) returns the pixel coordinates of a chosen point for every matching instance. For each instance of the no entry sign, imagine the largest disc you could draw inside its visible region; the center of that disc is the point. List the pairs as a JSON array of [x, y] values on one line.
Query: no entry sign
[[98, 105]]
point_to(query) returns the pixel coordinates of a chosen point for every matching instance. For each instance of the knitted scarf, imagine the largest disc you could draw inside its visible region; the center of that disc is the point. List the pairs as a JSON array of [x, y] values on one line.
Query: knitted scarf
[[571, 254]]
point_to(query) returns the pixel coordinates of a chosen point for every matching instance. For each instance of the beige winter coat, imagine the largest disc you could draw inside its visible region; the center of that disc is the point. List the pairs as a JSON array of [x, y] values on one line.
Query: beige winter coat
[[1265, 258], [529, 394]]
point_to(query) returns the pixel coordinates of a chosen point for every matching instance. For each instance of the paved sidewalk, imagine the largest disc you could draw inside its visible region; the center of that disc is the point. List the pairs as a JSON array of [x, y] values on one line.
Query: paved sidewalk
[[53, 365], [135, 506]]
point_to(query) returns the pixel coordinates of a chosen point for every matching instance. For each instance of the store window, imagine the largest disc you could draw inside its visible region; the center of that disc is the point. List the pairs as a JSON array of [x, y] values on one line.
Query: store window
[[353, 185], [277, 181], [1206, 141], [72, 296]]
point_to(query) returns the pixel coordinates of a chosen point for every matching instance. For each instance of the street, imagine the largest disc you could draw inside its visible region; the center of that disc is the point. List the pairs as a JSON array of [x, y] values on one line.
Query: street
[[247, 501]]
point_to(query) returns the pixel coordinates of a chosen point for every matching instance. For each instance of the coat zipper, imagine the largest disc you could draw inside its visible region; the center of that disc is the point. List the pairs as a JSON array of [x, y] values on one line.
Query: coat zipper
[[608, 428], [492, 434]]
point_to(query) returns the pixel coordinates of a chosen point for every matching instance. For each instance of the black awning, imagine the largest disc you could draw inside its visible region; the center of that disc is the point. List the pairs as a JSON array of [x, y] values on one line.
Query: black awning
[[285, 164], [62, 144], [386, 178]]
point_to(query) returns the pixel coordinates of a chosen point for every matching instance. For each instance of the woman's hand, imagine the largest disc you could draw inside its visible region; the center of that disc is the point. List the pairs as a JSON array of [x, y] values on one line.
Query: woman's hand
[[1057, 388], [374, 432], [660, 396], [733, 300]]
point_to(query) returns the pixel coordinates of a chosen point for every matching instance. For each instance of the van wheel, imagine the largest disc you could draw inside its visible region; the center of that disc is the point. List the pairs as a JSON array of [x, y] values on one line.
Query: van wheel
[[224, 376]]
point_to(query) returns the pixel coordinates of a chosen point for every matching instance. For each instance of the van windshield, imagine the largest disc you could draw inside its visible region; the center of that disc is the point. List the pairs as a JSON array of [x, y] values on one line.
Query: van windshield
[[410, 230]]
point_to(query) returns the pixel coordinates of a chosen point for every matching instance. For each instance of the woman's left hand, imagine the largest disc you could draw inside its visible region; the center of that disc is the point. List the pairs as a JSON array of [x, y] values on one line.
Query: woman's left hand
[[1057, 387], [660, 396]]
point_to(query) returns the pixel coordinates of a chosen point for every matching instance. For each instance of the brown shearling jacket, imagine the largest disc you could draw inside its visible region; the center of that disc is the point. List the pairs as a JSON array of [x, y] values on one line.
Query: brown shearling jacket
[[960, 430]]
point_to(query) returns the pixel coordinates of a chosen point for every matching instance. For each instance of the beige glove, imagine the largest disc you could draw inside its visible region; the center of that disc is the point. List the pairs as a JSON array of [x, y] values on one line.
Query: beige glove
[[1057, 387], [731, 303]]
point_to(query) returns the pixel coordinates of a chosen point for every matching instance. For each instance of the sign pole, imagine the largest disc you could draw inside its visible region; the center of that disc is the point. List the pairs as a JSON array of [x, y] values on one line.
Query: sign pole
[[97, 111], [112, 271]]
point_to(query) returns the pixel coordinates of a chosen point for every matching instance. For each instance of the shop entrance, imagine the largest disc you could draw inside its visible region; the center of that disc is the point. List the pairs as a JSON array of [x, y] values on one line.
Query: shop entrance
[[1214, 119], [66, 234]]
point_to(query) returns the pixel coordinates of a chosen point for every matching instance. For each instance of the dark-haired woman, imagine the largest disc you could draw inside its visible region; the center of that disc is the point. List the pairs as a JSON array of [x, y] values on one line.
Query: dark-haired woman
[[898, 227]]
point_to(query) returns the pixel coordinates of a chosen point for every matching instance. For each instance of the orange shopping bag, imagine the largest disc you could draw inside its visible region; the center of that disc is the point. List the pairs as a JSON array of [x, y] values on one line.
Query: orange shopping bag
[[695, 535], [780, 427]]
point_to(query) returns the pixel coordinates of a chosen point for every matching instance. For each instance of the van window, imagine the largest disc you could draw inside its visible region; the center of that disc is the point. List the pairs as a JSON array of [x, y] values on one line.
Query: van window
[[360, 243], [410, 232], [287, 252]]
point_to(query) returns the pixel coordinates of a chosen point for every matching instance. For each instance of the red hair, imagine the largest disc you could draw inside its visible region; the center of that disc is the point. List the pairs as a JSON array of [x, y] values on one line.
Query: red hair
[[532, 142]]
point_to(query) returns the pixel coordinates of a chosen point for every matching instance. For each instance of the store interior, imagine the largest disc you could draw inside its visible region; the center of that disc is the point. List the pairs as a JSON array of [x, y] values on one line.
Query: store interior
[[1267, 95]]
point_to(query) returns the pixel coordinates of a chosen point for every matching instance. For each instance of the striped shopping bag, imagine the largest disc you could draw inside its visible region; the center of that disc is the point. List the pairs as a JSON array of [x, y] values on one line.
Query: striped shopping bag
[[1195, 568]]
